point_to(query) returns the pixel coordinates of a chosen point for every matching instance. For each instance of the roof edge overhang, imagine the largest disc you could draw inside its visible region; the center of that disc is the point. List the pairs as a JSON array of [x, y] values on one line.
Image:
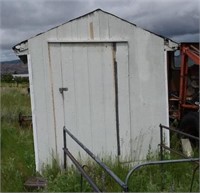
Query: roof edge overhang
[[21, 50], [22, 46]]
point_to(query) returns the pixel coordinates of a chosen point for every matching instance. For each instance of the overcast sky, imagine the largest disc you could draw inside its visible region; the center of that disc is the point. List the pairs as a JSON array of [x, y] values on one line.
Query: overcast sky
[[22, 19]]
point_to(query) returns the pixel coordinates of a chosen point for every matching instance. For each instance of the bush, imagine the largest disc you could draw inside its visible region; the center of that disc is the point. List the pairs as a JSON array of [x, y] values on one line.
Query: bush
[[8, 78]]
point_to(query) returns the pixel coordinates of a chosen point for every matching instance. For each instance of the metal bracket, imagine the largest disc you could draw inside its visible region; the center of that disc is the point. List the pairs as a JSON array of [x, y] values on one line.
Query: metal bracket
[[62, 90]]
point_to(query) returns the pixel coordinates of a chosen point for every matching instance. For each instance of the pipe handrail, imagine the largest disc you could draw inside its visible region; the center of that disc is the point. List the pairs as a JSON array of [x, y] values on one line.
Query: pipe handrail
[[157, 163], [94, 186], [180, 132], [104, 166], [123, 185]]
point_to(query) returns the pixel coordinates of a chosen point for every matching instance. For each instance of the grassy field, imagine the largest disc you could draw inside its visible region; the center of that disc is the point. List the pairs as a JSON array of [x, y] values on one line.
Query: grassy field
[[17, 160], [17, 155]]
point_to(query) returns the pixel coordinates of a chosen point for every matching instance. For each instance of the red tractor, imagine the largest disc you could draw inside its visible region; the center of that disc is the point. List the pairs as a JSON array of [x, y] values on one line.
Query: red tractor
[[183, 77]]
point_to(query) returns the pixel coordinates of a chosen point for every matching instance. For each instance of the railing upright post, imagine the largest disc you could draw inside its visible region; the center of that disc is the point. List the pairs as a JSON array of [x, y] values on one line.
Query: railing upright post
[[161, 142], [161, 156], [65, 147]]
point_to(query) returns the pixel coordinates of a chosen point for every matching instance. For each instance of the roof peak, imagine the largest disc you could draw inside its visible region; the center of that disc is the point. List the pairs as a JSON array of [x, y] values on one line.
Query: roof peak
[[91, 12]]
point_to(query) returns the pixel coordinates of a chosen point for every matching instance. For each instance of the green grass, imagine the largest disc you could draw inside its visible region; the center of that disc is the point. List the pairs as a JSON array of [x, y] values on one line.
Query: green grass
[[173, 178], [17, 160], [17, 154]]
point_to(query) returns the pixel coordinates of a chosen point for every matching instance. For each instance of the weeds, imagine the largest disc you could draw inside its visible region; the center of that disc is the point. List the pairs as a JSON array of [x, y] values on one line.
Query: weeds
[[14, 100], [17, 155], [17, 161], [171, 178]]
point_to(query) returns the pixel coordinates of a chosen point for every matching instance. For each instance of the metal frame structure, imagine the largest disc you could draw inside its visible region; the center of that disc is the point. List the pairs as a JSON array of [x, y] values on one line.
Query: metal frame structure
[[187, 51], [122, 184], [96, 159], [163, 162], [163, 146]]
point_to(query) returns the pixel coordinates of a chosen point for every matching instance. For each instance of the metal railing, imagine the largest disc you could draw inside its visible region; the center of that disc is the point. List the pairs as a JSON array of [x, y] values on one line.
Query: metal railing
[[122, 184], [96, 159], [22, 119], [163, 146], [163, 162]]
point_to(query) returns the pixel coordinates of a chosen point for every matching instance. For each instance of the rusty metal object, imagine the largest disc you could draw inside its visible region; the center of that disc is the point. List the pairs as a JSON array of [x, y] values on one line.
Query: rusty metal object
[[188, 51], [35, 183], [24, 120]]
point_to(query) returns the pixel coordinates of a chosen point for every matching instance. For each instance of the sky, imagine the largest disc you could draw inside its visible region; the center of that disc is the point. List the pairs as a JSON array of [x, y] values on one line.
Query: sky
[[178, 20]]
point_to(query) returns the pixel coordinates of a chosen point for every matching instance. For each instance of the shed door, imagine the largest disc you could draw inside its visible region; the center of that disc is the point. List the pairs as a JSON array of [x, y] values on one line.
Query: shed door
[[96, 106]]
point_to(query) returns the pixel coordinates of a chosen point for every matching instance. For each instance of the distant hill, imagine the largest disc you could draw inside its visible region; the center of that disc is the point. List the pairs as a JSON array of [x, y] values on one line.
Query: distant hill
[[11, 62], [13, 67]]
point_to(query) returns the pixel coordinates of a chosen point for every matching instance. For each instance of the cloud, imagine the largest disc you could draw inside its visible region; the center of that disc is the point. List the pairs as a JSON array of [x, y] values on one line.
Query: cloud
[[187, 38], [169, 18], [23, 19]]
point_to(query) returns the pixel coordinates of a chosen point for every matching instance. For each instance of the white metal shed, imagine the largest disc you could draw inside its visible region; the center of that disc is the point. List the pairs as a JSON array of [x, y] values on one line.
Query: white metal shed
[[116, 79]]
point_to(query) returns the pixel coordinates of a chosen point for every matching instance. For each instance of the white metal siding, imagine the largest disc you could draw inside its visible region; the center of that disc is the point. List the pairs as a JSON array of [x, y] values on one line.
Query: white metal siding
[[142, 84], [87, 70], [147, 93]]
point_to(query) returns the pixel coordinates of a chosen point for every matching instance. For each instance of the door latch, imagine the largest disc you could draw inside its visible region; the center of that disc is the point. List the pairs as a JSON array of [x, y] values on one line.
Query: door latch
[[62, 90]]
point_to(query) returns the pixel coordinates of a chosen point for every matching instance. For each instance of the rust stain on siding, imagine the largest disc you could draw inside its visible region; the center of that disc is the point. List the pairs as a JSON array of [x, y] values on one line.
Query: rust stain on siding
[[91, 31], [52, 93], [114, 50]]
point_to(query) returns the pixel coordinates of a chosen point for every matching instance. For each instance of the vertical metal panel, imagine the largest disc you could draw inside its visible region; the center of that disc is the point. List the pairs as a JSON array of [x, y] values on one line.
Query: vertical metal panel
[[82, 28], [93, 20], [34, 122], [118, 29], [79, 55], [36, 51], [52, 101], [124, 100], [166, 133], [55, 66], [74, 30], [104, 30], [147, 85], [89, 103], [148, 94], [64, 31], [100, 61]]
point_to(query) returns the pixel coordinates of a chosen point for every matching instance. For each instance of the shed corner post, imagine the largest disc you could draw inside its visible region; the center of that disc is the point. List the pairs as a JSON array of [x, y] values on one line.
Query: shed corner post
[[35, 137]]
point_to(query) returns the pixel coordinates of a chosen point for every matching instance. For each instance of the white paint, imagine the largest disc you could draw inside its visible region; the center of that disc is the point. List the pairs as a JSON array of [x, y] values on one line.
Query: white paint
[[20, 75], [89, 103], [166, 132], [79, 55], [187, 147], [33, 112]]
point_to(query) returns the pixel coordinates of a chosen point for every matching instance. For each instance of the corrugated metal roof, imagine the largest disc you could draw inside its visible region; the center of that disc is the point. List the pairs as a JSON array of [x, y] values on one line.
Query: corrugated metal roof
[[90, 14]]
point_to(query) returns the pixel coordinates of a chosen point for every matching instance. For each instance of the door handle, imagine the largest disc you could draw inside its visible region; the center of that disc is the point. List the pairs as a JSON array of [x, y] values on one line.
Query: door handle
[[61, 90]]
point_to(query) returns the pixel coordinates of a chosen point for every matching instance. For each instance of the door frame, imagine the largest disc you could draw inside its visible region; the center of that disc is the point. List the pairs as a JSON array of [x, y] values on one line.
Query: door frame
[[115, 65]]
